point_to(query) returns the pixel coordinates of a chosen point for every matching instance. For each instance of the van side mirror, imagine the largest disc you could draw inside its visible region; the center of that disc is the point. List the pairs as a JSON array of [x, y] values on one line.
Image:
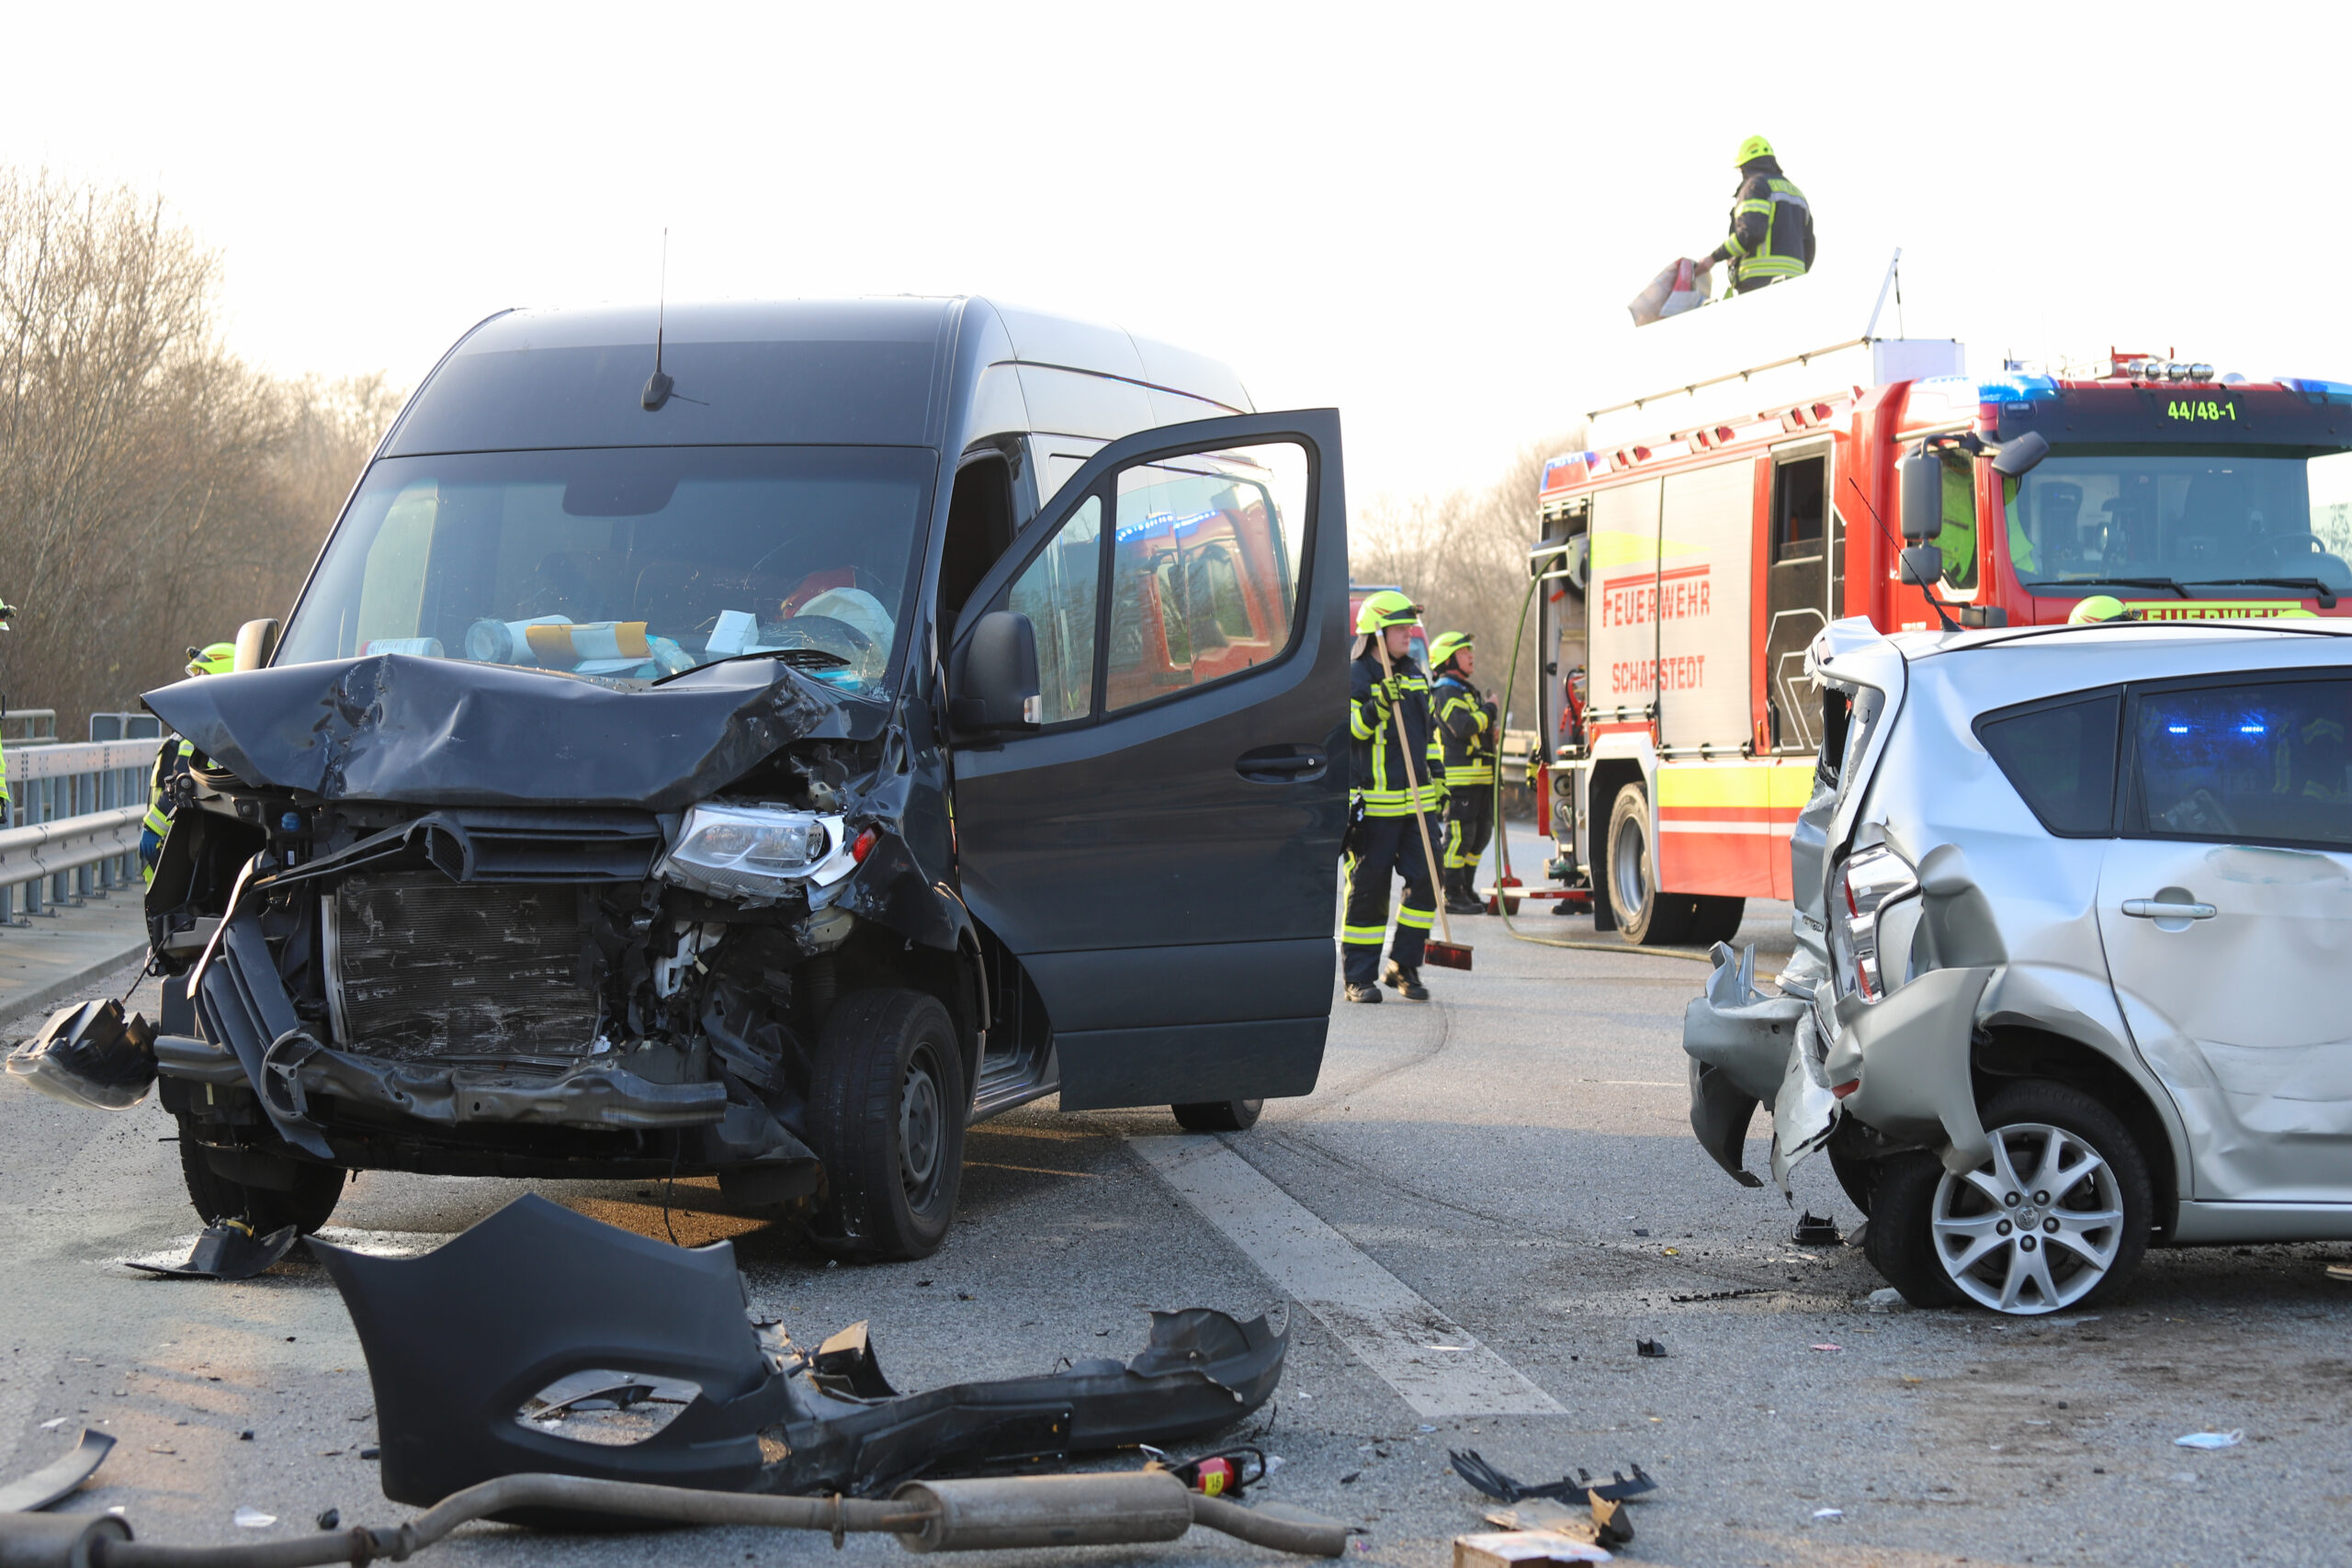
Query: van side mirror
[[997, 688], [2018, 455], [256, 640], [1920, 487]]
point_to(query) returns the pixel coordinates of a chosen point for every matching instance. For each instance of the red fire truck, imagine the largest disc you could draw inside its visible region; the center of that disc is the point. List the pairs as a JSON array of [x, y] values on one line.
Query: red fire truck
[[1688, 557]]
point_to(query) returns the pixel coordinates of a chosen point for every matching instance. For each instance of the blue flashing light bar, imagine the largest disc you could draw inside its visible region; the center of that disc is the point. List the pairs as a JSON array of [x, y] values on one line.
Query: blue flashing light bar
[[2318, 392], [2017, 389]]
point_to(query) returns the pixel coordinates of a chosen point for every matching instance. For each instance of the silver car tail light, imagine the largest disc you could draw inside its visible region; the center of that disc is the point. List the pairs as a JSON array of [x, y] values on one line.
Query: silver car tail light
[[1864, 886]]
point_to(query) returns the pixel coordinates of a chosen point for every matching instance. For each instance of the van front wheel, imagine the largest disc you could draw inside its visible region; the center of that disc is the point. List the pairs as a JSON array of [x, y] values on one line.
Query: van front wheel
[[887, 1110]]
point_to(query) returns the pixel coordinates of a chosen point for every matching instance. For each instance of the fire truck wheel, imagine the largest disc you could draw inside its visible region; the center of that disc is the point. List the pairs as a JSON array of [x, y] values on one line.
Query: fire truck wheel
[[1646, 917], [1717, 919]]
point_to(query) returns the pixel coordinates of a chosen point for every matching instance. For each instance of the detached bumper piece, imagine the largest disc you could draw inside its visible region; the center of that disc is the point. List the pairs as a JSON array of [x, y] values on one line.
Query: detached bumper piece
[[230, 1250], [90, 1054], [460, 1341]]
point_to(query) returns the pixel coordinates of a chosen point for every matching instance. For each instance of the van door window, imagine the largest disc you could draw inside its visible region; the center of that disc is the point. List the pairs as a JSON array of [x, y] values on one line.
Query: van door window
[[1204, 569], [1056, 592]]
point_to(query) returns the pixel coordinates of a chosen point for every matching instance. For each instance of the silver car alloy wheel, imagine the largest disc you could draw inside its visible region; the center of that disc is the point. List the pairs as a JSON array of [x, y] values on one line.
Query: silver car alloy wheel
[[2036, 1227]]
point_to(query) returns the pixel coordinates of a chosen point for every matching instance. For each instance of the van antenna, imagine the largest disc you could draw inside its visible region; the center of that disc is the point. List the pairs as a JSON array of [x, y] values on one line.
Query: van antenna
[[658, 385]]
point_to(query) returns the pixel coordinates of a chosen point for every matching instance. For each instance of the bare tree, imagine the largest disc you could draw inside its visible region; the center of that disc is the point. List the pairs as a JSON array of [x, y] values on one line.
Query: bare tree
[[155, 492], [1463, 556]]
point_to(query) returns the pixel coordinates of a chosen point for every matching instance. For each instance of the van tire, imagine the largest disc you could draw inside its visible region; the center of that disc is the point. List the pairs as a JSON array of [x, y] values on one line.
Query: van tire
[[1646, 917], [887, 1109], [1219, 1115], [308, 1206], [1900, 1241]]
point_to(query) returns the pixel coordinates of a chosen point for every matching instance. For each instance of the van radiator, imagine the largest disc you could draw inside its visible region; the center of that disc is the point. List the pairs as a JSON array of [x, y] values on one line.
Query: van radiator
[[422, 968]]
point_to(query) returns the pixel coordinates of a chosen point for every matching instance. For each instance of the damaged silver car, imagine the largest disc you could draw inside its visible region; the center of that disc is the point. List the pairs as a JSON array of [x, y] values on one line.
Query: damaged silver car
[[759, 747], [2073, 907]]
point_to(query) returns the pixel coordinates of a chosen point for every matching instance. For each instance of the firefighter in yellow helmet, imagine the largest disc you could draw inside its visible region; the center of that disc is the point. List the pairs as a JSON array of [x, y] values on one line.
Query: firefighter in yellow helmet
[[2098, 608], [1772, 223], [1467, 731], [174, 762], [1386, 783]]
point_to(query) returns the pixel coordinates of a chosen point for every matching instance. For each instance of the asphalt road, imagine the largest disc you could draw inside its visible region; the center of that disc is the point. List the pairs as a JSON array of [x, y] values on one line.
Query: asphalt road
[[1511, 1159]]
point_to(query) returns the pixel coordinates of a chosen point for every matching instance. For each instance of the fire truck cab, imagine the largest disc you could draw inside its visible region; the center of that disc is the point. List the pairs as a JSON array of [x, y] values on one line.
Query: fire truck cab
[[1685, 572]]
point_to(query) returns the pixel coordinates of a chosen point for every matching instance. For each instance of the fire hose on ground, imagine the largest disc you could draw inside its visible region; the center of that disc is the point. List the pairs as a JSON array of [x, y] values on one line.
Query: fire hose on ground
[[1117, 1508]]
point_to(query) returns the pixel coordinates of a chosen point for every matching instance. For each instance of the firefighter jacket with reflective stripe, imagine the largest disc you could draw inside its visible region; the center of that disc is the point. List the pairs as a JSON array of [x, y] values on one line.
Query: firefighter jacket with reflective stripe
[[1771, 229], [173, 762], [1466, 732], [1377, 776]]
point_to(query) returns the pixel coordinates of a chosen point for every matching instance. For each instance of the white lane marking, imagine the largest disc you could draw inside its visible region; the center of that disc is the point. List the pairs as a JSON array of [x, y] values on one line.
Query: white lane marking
[[1429, 1359]]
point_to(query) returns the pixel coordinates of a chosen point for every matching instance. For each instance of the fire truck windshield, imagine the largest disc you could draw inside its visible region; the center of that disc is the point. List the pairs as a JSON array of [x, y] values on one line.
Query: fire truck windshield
[[2206, 517]]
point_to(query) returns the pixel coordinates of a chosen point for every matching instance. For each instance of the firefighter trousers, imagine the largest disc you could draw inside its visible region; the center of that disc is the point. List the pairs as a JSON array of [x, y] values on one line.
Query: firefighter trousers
[[1469, 823], [1387, 847]]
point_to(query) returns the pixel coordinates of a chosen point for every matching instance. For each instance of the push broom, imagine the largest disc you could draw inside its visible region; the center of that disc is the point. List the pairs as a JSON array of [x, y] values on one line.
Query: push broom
[[1448, 954]]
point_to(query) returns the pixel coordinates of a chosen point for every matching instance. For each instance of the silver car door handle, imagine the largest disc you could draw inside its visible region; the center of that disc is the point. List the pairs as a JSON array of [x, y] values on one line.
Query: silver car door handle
[[2151, 910]]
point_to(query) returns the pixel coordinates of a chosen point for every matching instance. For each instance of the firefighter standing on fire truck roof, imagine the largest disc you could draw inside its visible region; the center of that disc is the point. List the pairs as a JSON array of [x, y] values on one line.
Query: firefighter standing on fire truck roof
[[1467, 728], [1385, 786], [1772, 223]]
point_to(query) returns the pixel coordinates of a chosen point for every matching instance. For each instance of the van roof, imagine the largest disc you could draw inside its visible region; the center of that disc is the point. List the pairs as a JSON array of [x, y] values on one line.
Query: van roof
[[825, 372]]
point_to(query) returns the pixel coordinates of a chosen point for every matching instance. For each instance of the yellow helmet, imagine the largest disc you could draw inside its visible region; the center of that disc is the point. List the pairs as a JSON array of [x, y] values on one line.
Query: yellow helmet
[[1754, 147], [2100, 607], [1443, 649], [1386, 608], [212, 659]]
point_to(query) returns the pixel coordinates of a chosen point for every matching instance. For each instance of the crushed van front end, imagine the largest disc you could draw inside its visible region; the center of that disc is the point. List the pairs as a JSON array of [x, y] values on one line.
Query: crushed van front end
[[470, 920]]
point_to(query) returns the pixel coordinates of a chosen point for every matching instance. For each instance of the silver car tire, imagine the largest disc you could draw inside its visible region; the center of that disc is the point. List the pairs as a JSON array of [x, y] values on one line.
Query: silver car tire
[[2055, 1219]]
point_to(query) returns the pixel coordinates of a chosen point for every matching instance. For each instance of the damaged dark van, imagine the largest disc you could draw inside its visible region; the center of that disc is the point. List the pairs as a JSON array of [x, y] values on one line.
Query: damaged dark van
[[763, 761]]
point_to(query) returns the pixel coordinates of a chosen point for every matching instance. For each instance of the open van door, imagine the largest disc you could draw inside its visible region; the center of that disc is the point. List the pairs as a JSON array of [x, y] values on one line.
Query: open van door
[[1159, 844]]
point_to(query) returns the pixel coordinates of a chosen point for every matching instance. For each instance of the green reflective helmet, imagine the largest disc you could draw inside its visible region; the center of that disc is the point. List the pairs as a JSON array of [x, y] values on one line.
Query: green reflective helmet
[[2100, 607], [1754, 147], [213, 658], [1386, 608], [1442, 650]]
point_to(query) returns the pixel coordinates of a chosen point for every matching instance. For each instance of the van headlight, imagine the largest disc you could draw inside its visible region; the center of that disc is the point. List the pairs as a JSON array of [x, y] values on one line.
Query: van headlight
[[1864, 886], [757, 851]]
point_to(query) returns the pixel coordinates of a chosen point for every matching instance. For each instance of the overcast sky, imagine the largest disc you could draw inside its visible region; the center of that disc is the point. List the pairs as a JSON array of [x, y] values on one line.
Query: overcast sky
[[1430, 216]]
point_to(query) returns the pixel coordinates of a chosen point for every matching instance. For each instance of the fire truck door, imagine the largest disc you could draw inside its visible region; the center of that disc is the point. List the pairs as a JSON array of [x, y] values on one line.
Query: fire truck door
[[1799, 593], [1160, 853]]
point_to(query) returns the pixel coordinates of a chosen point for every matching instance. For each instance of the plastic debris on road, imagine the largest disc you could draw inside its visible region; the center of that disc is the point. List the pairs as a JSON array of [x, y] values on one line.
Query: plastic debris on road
[[2210, 1439], [252, 1519], [1650, 1349], [1829, 1347], [1887, 1299], [1815, 1231], [1472, 1467], [1829, 1513]]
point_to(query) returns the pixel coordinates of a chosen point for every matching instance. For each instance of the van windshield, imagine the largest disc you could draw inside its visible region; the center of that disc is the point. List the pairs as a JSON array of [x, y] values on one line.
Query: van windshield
[[627, 563], [2208, 517]]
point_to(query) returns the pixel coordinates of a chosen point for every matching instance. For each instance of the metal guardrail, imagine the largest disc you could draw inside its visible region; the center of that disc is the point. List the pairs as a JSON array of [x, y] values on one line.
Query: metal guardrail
[[73, 819]]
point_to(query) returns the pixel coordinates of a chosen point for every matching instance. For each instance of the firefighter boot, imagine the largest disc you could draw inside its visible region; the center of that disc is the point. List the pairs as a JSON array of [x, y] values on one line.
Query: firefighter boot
[[1363, 993], [1460, 899], [1407, 982]]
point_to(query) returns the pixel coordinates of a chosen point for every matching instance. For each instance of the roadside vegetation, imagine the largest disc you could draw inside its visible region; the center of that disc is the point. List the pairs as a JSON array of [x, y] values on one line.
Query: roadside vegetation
[[1464, 555], [155, 490]]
